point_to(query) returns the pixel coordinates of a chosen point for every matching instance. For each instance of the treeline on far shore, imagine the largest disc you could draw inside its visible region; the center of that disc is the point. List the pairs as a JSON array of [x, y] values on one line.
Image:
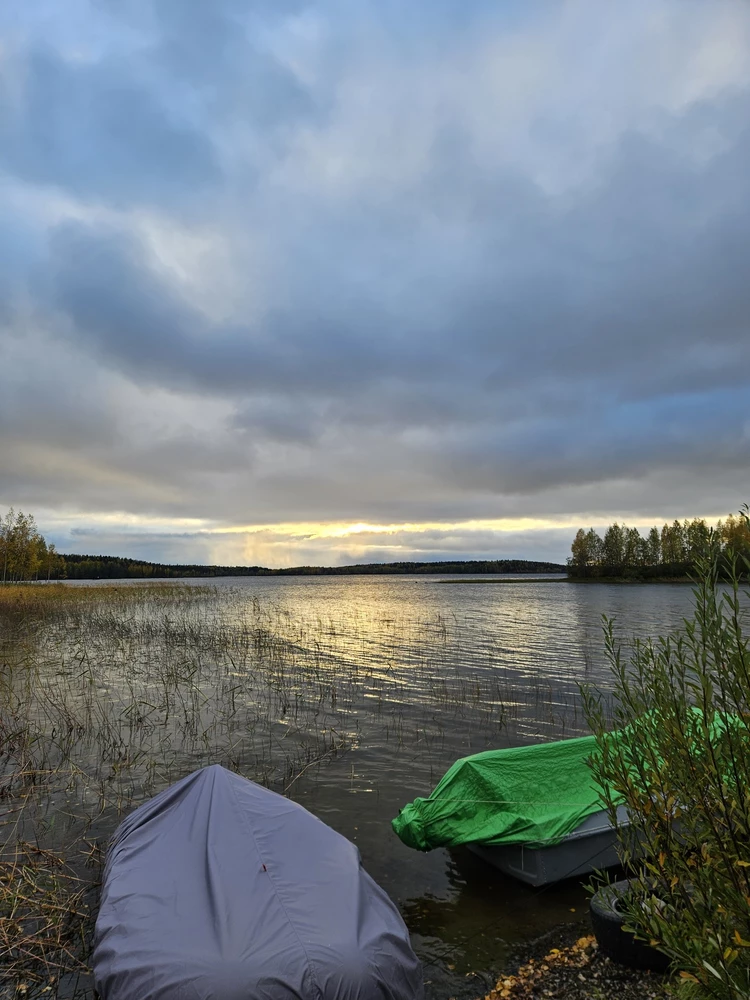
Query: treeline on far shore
[[79, 567], [26, 556], [668, 552]]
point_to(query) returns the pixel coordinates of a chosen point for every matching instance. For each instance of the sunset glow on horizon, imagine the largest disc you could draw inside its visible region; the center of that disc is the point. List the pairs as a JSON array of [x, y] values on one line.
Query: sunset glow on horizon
[[339, 543]]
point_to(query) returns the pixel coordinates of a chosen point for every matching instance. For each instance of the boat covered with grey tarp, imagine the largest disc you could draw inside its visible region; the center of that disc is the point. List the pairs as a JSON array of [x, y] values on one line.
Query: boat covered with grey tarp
[[219, 889]]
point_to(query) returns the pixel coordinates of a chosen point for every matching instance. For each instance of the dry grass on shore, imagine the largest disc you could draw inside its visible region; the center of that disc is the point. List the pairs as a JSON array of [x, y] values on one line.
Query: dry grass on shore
[[46, 913], [46, 596]]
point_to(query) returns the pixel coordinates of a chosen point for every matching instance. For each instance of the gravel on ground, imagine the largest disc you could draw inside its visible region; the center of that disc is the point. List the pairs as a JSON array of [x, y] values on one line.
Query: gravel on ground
[[567, 965]]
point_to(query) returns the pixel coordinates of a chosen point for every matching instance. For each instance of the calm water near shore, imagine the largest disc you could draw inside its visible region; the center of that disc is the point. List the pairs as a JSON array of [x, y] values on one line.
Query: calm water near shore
[[352, 695]]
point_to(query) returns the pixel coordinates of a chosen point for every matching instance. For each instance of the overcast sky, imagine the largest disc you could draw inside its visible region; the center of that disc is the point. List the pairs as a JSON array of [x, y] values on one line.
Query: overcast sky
[[361, 281]]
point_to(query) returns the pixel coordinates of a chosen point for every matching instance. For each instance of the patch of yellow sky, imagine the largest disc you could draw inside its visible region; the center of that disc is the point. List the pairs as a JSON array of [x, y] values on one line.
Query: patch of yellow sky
[[311, 530], [343, 529], [301, 543], [316, 529]]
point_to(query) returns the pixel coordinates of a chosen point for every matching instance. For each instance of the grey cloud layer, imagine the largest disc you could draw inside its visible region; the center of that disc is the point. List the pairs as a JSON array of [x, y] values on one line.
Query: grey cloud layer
[[99, 134], [446, 266]]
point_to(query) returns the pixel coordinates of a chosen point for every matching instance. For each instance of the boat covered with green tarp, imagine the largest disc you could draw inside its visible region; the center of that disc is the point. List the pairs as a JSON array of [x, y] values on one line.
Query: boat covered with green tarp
[[532, 795], [536, 812]]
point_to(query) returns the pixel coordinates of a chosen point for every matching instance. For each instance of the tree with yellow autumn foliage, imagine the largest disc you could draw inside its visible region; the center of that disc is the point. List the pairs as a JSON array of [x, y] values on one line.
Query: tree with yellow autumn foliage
[[24, 553]]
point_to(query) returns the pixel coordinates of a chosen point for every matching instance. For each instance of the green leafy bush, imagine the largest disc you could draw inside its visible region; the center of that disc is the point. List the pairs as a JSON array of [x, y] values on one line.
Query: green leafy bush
[[680, 761]]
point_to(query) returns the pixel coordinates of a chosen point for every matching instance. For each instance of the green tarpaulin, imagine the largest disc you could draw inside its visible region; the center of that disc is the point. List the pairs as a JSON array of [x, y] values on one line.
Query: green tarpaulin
[[533, 795]]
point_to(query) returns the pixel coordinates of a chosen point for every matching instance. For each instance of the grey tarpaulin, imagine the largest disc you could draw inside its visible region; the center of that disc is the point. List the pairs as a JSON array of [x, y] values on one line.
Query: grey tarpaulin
[[219, 889]]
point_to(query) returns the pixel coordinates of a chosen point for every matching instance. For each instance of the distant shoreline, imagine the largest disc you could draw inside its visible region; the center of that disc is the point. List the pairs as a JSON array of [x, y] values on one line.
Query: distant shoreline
[[515, 579], [77, 567], [573, 579], [454, 578], [628, 579], [83, 567]]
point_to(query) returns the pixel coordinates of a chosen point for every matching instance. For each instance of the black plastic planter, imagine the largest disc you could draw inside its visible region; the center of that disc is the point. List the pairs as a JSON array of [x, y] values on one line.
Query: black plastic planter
[[614, 941]]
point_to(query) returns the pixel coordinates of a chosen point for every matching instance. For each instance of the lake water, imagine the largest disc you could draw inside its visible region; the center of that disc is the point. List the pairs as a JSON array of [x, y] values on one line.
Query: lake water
[[352, 695]]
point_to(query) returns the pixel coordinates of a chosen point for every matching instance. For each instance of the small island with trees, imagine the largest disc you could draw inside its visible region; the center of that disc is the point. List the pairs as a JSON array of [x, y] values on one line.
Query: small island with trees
[[666, 554]]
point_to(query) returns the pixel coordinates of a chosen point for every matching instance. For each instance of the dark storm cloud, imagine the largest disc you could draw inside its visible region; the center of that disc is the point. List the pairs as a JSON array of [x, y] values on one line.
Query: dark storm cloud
[[143, 126], [691, 432], [345, 262], [634, 279], [116, 304], [97, 132]]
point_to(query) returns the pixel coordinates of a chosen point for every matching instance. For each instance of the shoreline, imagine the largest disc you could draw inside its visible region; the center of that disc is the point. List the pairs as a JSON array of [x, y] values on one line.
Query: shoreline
[[586, 580], [566, 963], [536, 579]]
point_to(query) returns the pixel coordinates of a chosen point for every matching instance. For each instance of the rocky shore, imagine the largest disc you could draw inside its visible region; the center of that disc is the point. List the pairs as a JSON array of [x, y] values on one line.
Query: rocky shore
[[566, 965]]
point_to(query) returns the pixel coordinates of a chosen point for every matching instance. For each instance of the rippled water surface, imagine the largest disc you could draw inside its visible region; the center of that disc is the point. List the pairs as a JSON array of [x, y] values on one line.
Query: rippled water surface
[[352, 695]]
